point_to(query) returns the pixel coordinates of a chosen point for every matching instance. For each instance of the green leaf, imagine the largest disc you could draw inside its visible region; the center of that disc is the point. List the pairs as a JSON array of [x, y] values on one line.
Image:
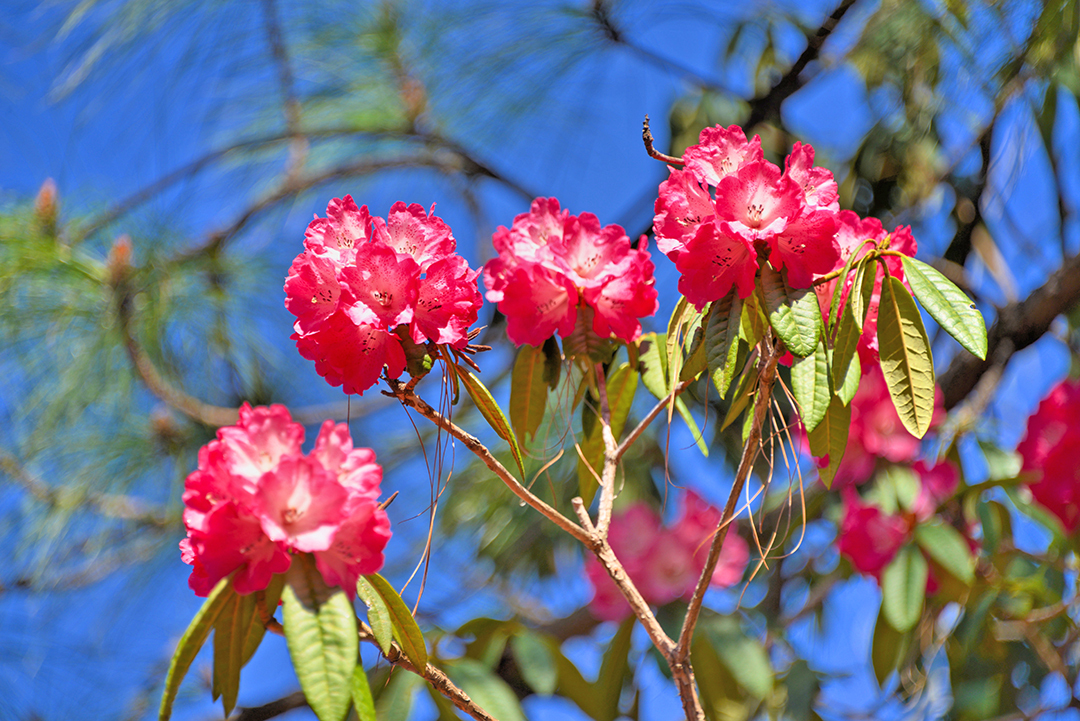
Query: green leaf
[[653, 365], [743, 393], [528, 392], [361, 695], [810, 385], [613, 670], [743, 655], [794, 314], [489, 691], [378, 614], [320, 631], [229, 631], [944, 544], [395, 698], [535, 661], [853, 261], [996, 524], [862, 292], [257, 630], [488, 408], [621, 386], [552, 363], [193, 639], [903, 587], [830, 438], [722, 340], [906, 360], [948, 305], [572, 684], [888, 649], [695, 363], [674, 338], [846, 370], [404, 625]]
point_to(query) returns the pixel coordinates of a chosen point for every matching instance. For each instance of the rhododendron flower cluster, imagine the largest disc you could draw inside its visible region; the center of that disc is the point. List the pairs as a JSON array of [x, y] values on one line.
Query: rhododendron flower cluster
[[757, 214], [870, 538], [1051, 450], [364, 284], [552, 265], [664, 563], [255, 499]]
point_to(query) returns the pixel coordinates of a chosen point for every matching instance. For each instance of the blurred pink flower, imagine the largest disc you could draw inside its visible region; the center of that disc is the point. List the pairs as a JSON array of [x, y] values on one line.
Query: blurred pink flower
[[1051, 450], [664, 563], [869, 537]]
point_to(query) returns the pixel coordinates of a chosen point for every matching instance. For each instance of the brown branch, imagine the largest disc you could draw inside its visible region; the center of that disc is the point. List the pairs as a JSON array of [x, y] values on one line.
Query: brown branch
[[290, 104], [647, 138], [205, 413], [273, 709], [107, 505], [410, 399], [767, 106], [649, 418], [770, 353], [1019, 324], [432, 675], [611, 458]]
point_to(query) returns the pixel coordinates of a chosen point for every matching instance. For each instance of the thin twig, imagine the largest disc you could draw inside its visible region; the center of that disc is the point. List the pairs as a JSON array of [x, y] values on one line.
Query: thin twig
[[650, 417], [432, 675], [770, 353], [611, 458], [481, 451], [647, 137]]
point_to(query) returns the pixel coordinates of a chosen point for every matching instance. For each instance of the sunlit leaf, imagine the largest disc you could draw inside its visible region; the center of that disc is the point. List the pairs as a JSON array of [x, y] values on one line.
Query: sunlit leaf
[[811, 387], [906, 360], [846, 369], [361, 695], [722, 340], [485, 688], [193, 639], [320, 631], [903, 587], [535, 661], [378, 614], [944, 544], [270, 597], [829, 439], [613, 671], [405, 630], [794, 314], [888, 649], [229, 632], [948, 305], [528, 392], [492, 413], [742, 654]]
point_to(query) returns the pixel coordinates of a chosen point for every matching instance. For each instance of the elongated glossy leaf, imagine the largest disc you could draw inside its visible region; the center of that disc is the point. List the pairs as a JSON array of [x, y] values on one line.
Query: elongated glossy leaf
[[829, 439], [845, 363], [903, 587], [811, 387], [696, 362], [320, 631], [361, 695], [852, 263], [674, 337], [229, 632], [257, 629], [613, 671], [888, 649], [653, 364], [794, 314], [395, 698], [906, 360], [489, 691], [488, 408], [535, 661], [743, 655], [753, 321], [528, 392], [378, 614], [621, 386], [948, 305], [573, 685], [944, 544], [743, 393], [406, 632], [193, 639], [862, 291], [722, 340]]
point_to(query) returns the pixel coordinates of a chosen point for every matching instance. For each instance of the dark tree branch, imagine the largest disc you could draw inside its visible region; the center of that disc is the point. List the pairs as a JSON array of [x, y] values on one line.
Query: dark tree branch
[[1019, 325], [767, 106]]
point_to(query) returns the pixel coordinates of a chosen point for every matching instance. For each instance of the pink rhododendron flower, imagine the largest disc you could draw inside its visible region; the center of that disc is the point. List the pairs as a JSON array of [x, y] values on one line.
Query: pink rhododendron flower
[[255, 499], [869, 537], [551, 265], [664, 563], [1051, 449], [851, 232], [363, 284], [936, 485], [758, 214]]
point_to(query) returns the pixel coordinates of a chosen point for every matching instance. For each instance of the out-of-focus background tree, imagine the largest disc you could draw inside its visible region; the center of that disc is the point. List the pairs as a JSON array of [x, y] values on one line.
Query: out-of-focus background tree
[[189, 144]]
